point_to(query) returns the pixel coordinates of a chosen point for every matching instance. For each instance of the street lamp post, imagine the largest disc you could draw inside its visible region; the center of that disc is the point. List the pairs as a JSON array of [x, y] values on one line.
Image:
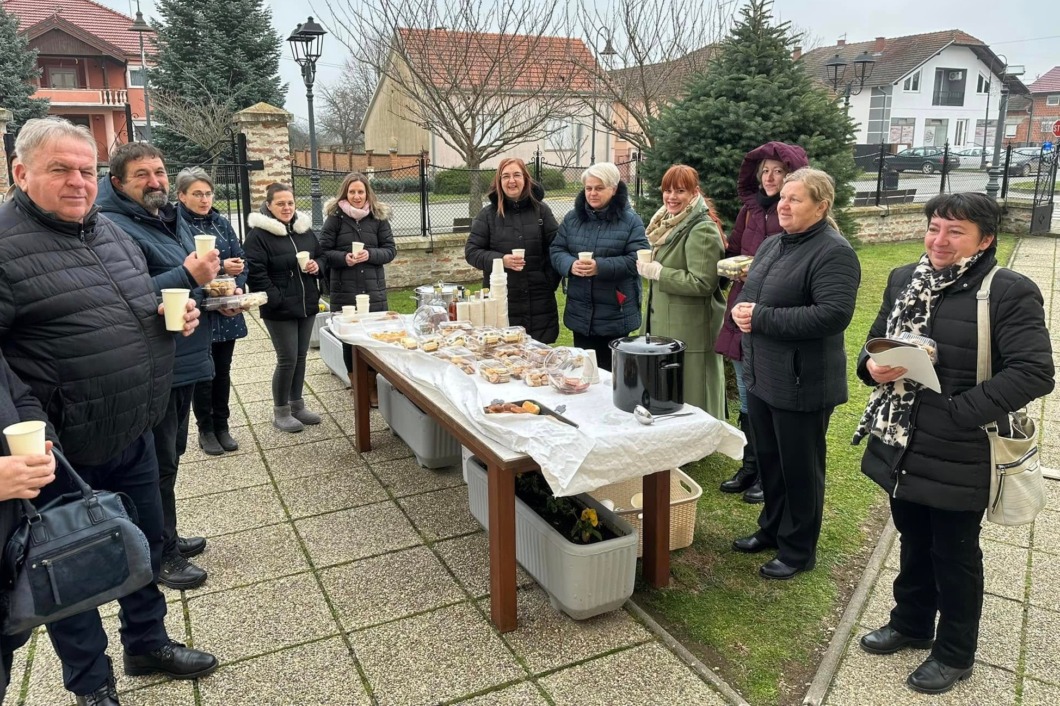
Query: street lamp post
[[307, 42], [994, 173], [140, 26], [836, 70], [608, 52]]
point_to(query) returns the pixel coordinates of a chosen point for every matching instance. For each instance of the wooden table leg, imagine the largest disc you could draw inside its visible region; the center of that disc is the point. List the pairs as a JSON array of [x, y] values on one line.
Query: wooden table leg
[[361, 423], [502, 548], [656, 527]]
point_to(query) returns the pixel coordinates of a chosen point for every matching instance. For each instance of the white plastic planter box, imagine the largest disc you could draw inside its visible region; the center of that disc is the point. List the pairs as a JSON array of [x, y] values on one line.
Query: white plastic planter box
[[582, 580], [314, 338], [433, 446], [331, 354]]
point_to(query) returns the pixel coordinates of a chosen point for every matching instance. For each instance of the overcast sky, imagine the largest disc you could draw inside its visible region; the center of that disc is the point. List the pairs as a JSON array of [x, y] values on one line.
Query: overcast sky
[[1016, 28]]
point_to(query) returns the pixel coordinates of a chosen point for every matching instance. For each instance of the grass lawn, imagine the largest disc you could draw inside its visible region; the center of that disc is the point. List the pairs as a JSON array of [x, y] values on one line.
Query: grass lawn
[[1029, 186], [765, 638]]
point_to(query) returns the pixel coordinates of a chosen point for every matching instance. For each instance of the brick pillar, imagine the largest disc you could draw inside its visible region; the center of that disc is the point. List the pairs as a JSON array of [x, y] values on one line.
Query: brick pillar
[[268, 140], [5, 118]]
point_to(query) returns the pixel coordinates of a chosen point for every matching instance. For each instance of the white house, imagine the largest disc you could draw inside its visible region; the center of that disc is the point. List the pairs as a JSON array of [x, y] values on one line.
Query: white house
[[924, 89]]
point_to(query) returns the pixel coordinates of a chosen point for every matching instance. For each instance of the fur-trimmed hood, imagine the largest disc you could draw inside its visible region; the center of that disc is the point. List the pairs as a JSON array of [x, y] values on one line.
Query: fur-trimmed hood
[[382, 213], [612, 212], [299, 224]]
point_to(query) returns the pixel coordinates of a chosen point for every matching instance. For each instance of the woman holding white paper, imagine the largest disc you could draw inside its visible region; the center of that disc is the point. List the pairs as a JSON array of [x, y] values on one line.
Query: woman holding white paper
[[928, 449]]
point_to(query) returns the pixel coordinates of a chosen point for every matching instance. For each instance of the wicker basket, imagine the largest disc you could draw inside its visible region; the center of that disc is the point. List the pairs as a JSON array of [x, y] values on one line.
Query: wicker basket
[[684, 494]]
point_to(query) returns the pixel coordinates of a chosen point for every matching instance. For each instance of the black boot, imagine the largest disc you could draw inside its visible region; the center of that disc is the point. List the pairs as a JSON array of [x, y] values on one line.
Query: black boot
[[209, 444], [755, 494], [747, 476], [106, 695]]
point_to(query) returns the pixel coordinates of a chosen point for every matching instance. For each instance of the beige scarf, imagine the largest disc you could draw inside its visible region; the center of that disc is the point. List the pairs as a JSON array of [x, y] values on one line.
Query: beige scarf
[[662, 223]]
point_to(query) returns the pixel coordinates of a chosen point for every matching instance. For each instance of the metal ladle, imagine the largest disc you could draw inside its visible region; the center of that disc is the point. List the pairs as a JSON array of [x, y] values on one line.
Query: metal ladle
[[642, 415]]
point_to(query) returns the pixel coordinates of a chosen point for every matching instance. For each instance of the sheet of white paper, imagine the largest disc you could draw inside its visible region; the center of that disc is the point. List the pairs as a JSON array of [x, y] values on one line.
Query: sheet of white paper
[[915, 360]]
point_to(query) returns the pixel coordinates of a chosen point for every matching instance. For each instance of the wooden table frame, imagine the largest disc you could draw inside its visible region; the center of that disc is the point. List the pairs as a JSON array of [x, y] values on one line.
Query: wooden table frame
[[501, 474]]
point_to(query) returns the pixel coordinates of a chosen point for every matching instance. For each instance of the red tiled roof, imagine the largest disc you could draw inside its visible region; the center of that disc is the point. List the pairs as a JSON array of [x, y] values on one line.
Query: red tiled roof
[[520, 62], [109, 25], [1049, 82]]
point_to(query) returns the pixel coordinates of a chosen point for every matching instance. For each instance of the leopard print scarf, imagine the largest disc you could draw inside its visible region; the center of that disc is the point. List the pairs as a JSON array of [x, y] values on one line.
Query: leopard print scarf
[[890, 407]]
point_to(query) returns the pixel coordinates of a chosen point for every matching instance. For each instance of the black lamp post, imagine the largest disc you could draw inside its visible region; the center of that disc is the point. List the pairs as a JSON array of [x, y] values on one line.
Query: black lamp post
[[994, 173], [607, 53], [140, 26], [835, 73], [307, 43]]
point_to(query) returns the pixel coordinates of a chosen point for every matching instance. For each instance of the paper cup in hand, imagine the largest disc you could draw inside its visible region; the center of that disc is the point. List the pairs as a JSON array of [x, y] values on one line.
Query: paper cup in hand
[[363, 303], [173, 304], [644, 255], [204, 244], [585, 256], [356, 247], [303, 259], [519, 253], [26, 438]]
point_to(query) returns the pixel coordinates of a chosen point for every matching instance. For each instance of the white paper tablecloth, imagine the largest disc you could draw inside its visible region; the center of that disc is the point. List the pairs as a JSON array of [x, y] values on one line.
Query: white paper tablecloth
[[608, 445]]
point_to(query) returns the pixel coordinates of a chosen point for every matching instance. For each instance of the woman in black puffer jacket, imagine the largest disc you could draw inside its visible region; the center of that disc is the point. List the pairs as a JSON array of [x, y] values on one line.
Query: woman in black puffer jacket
[[515, 219], [277, 234]]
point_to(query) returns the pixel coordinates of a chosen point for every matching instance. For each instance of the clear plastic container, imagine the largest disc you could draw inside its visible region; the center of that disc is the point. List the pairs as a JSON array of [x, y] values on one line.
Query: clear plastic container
[[535, 377], [430, 343], [484, 340], [928, 344], [460, 357], [248, 301], [516, 365], [450, 326], [507, 351], [223, 286], [513, 334], [386, 330], [733, 267], [427, 318], [570, 371], [536, 352], [455, 339], [494, 371]]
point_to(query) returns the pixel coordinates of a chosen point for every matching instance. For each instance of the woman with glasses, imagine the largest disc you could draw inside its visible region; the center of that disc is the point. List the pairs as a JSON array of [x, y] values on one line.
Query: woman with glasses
[[517, 228], [195, 191]]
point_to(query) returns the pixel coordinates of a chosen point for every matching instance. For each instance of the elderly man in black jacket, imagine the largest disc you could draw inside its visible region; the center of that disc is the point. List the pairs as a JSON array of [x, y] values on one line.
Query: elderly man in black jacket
[[80, 324]]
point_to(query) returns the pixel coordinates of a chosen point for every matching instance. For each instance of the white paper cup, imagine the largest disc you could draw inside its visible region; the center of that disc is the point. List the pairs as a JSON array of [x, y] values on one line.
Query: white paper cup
[[644, 255], [356, 247], [26, 438], [519, 252], [585, 256], [363, 303], [204, 244], [303, 259], [173, 301], [348, 312]]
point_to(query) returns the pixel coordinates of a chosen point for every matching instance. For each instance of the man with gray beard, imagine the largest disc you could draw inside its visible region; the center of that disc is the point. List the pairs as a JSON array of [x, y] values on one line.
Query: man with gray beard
[[136, 198]]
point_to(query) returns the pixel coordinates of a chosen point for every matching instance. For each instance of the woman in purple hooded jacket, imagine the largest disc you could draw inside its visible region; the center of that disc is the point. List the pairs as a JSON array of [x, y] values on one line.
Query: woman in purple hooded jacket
[[758, 186]]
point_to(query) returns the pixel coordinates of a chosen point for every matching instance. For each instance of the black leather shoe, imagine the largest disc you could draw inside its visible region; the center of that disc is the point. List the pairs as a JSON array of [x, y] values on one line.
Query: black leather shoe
[[740, 482], [191, 546], [180, 574], [754, 494], [226, 441], [934, 677], [752, 544], [106, 695], [174, 660], [887, 641], [209, 444], [778, 570]]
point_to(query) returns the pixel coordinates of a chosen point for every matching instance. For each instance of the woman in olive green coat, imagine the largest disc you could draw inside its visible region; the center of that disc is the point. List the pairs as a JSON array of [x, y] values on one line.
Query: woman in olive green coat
[[685, 300]]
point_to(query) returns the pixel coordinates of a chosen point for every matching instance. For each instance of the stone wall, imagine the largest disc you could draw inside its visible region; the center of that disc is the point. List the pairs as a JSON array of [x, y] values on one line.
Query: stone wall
[[1016, 217], [267, 139], [366, 161], [888, 224], [414, 265], [5, 118]]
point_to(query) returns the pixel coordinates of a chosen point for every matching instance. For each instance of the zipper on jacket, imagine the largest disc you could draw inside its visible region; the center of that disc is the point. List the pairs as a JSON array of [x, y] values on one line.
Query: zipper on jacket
[[301, 284], [898, 461]]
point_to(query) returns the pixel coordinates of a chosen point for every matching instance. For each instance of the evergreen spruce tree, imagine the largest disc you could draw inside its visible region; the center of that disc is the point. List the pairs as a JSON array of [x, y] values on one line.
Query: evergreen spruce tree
[[227, 52], [18, 69], [752, 93]]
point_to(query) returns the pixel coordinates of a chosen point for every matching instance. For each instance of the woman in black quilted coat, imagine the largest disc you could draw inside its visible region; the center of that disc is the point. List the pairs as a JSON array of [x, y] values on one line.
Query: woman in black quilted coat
[[516, 219]]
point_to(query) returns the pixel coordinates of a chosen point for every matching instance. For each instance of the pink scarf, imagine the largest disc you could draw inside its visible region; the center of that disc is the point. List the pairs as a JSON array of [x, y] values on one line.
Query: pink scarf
[[354, 212]]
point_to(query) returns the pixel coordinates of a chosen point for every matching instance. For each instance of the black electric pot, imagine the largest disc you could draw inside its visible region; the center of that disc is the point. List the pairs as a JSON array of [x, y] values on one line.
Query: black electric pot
[[649, 371]]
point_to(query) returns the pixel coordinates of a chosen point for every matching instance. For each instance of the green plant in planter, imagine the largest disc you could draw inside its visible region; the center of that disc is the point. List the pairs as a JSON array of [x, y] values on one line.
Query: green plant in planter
[[585, 529], [566, 515]]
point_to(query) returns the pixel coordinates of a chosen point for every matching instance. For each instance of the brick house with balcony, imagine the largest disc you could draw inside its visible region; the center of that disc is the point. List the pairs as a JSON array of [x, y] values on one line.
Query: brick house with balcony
[[1030, 121], [90, 64]]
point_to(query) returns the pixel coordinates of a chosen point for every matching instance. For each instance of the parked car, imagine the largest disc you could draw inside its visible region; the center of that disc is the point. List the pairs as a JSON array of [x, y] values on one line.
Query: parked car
[[972, 157], [1024, 161], [922, 159]]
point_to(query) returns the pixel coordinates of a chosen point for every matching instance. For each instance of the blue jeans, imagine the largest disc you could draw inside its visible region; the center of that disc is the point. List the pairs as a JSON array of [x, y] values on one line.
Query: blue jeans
[[741, 386]]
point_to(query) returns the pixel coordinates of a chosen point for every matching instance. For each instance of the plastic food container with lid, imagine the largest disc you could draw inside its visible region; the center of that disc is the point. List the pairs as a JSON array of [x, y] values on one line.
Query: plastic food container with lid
[[570, 370], [223, 286]]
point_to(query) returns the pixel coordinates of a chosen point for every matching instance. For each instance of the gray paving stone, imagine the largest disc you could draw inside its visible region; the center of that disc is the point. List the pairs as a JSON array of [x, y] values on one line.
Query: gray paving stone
[[323, 381], [1047, 532], [261, 375], [257, 344], [269, 437], [387, 587], [522, 694], [232, 511], [261, 618], [319, 673], [252, 392], [1043, 649], [406, 477], [356, 533], [164, 694], [18, 671], [469, 560], [441, 514], [385, 447], [250, 359], [645, 675], [1036, 693], [1045, 581], [546, 639], [259, 412], [1052, 490], [328, 492], [219, 474], [437, 656], [1000, 631], [1005, 569], [877, 611], [327, 456], [1019, 536], [316, 366], [345, 419], [249, 557], [194, 454]]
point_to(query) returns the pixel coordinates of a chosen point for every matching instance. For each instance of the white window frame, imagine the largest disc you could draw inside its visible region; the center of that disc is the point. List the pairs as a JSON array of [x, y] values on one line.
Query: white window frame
[[960, 132], [1011, 129], [129, 76], [982, 87], [912, 82], [1053, 99], [62, 71]]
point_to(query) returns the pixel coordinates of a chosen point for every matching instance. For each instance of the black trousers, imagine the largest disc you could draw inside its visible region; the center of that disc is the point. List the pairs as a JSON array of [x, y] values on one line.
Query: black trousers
[[791, 458], [171, 440], [210, 400], [290, 338], [600, 344], [80, 640], [940, 571]]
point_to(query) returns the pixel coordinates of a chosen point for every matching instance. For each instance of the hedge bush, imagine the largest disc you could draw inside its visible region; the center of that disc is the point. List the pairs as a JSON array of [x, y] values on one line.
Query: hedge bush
[[552, 179]]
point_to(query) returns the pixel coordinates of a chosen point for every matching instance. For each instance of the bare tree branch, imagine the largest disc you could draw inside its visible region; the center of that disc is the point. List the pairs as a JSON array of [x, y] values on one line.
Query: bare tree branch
[[202, 121], [345, 102]]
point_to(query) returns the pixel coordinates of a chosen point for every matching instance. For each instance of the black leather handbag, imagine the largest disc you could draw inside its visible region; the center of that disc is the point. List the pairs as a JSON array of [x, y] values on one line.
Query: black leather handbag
[[79, 551]]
